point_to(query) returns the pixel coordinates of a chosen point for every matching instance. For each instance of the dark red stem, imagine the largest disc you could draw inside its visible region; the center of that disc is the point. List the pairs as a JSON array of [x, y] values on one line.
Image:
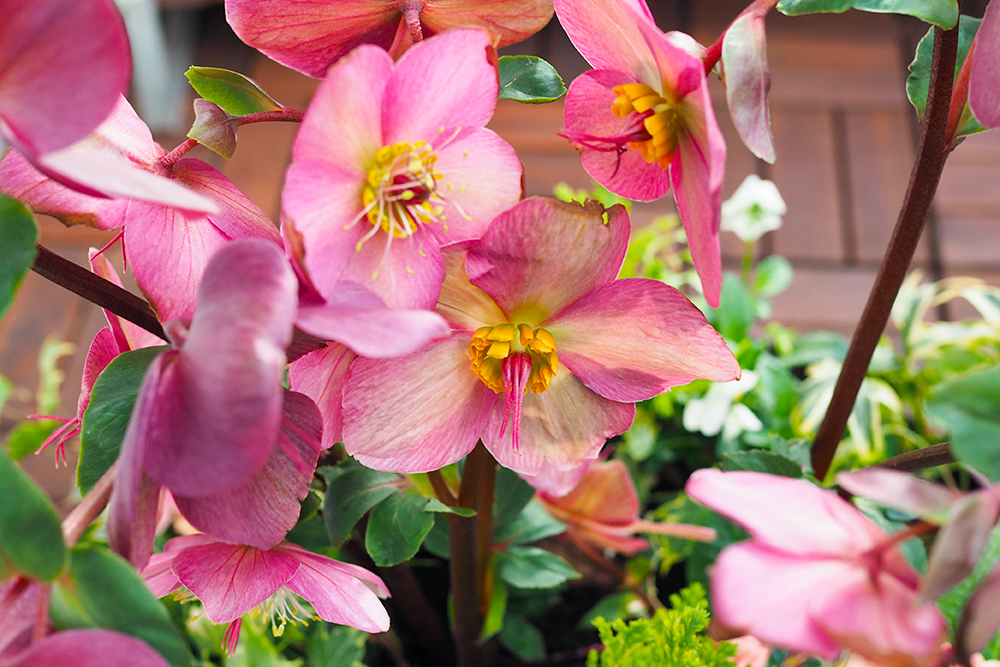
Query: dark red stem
[[920, 459], [281, 116], [931, 155]]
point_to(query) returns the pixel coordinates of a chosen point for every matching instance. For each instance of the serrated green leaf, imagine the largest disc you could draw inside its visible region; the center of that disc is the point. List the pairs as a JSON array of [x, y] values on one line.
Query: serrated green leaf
[[530, 80], [30, 535], [113, 596], [939, 12], [28, 436], [758, 461], [969, 408], [531, 567], [108, 414], [918, 82], [532, 524], [397, 527], [522, 639], [233, 92], [18, 236], [350, 494]]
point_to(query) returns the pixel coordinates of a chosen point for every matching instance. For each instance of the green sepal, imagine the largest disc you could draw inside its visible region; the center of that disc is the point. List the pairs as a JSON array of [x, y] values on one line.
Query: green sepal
[[233, 92], [530, 80]]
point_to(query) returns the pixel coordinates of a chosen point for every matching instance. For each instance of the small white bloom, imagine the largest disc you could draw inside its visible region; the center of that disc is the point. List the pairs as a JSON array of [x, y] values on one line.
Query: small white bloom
[[754, 209]]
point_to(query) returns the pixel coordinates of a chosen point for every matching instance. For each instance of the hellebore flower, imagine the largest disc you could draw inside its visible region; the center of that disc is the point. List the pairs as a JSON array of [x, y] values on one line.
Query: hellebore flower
[[309, 35], [232, 579], [816, 576], [755, 209], [168, 247], [984, 79], [392, 162], [547, 355], [603, 510], [643, 119]]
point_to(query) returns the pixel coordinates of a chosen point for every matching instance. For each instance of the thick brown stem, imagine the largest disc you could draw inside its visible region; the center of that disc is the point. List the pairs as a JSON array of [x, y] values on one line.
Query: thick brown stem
[[920, 459], [931, 155]]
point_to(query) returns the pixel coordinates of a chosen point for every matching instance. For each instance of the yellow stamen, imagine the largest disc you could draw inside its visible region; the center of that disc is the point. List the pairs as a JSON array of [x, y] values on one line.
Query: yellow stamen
[[403, 184], [491, 345], [662, 122]]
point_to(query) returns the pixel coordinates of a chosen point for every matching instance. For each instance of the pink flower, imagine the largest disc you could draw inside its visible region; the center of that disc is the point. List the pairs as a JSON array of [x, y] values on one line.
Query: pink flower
[[643, 119], [603, 510], [750, 651], [311, 36], [232, 579], [559, 350], [816, 575], [392, 162], [984, 80]]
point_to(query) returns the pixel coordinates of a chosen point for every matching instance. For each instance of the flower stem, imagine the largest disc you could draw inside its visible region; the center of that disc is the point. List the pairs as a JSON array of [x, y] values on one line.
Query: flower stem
[[166, 163], [281, 116], [80, 517], [920, 459], [714, 52], [97, 290], [931, 155]]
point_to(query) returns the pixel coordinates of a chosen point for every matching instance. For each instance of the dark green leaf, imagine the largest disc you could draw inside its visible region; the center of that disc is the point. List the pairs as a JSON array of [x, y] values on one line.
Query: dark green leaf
[[736, 312], [918, 82], [969, 408], [113, 596], [28, 436], [397, 527], [512, 494], [531, 567], [940, 12], [437, 541], [350, 495], [336, 646], [522, 639], [531, 525], [30, 535], [108, 414], [758, 461], [529, 79], [235, 93], [18, 235]]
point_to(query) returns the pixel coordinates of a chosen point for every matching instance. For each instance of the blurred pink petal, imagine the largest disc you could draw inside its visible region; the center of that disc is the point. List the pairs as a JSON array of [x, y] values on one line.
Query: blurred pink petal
[[322, 376], [748, 80], [984, 80], [88, 648]]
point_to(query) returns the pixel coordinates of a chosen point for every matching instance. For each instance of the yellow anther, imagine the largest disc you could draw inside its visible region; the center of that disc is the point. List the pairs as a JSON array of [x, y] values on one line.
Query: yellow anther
[[499, 349], [400, 188], [527, 334], [661, 124], [491, 345]]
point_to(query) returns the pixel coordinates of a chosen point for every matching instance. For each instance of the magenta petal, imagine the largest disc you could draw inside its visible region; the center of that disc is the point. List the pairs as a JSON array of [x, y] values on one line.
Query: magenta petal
[[419, 412], [65, 63], [984, 80], [659, 340], [339, 592], [546, 254], [102, 352], [21, 600], [441, 84], [232, 579], [361, 321], [129, 336], [263, 509], [238, 217], [748, 80], [901, 491], [219, 407], [607, 34], [158, 574], [89, 648], [792, 515], [322, 375]]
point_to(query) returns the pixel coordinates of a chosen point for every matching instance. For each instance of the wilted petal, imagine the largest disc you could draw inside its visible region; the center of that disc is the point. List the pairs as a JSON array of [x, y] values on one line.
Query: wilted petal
[[901, 491], [607, 35], [984, 80], [89, 648], [546, 254], [659, 340], [748, 80], [960, 544], [322, 375]]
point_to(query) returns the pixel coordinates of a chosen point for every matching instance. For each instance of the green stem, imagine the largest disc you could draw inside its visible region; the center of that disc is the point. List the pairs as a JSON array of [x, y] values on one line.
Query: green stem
[[747, 262]]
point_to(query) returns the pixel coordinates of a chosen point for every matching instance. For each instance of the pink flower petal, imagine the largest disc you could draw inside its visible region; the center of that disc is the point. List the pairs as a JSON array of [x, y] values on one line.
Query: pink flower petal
[[607, 35], [102, 352], [420, 412], [322, 375], [462, 304], [984, 80], [659, 340], [219, 406], [544, 254], [788, 514], [21, 600], [89, 648], [232, 579], [901, 491], [64, 64], [260, 511], [128, 335], [748, 80], [959, 545], [606, 494], [510, 21], [449, 81], [980, 619], [158, 574], [563, 426], [555, 483]]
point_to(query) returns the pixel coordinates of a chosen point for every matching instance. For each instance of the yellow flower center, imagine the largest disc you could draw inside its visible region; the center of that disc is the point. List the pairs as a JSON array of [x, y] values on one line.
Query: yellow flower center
[[400, 191], [491, 345], [661, 121]]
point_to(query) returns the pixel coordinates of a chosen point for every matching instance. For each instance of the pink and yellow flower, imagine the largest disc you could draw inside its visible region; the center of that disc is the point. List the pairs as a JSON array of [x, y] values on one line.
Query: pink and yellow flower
[[548, 351], [643, 119], [392, 162]]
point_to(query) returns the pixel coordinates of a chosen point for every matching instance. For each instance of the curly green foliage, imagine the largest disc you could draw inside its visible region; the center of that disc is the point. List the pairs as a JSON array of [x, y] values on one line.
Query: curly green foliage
[[672, 638]]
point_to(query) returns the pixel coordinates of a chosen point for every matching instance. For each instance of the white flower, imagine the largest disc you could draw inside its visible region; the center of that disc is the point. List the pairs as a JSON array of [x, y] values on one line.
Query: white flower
[[754, 209]]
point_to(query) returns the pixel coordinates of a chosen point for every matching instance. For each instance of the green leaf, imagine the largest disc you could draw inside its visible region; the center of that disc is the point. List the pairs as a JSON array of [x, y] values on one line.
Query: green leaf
[[736, 312], [939, 12], [112, 595], [336, 646], [6, 389], [28, 436], [530, 80], [108, 414], [30, 535], [495, 613], [214, 128], [438, 507], [18, 236], [758, 461], [522, 639], [397, 527], [969, 408], [918, 82], [350, 495], [531, 567], [512, 494], [772, 277], [532, 524], [235, 93]]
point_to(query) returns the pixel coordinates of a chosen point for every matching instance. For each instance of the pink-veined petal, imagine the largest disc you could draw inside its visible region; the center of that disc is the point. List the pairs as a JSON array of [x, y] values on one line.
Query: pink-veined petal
[[232, 579], [322, 375], [102, 352], [129, 336], [462, 304], [632, 339], [419, 412], [158, 574], [310, 36], [21, 599], [984, 80], [607, 35], [509, 21], [449, 81], [901, 491], [260, 511], [63, 66], [124, 130], [544, 254], [219, 407], [792, 515], [748, 80], [88, 648], [563, 426], [238, 217]]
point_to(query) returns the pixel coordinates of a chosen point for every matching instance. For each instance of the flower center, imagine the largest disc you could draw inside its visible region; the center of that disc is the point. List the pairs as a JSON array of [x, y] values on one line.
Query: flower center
[[400, 189], [491, 347], [660, 119]]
